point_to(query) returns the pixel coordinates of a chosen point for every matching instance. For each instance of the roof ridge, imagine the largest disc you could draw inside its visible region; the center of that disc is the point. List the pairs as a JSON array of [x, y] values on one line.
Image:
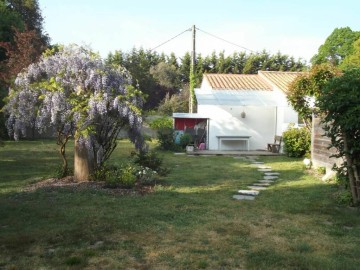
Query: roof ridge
[[278, 71]]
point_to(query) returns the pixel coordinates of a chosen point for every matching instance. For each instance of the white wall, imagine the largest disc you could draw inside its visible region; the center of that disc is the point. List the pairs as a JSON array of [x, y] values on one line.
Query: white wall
[[285, 117], [259, 123]]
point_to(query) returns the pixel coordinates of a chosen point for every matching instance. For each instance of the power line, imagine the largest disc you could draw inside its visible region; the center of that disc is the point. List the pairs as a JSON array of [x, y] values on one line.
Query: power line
[[225, 40], [189, 29]]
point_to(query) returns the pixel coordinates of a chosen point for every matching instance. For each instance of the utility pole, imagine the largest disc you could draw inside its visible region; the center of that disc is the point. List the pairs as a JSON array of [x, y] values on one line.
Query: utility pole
[[192, 72], [193, 48]]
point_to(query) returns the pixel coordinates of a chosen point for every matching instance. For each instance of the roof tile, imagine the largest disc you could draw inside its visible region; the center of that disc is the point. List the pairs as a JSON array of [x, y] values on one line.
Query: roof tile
[[264, 80], [279, 79], [237, 82]]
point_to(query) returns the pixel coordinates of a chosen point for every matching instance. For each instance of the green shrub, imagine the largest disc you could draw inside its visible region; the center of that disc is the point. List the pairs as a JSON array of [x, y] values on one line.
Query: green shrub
[[165, 132], [113, 176], [127, 176], [185, 140], [160, 123], [100, 174], [60, 173], [297, 142], [148, 159], [166, 139], [151, 160], [146, 176]]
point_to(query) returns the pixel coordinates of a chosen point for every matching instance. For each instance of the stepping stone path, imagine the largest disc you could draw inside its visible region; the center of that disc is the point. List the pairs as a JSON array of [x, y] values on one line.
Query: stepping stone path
[[244, 197], [248, 192], [253, 190], [270, 177], [266, 181], [271, 173], [264, 170]]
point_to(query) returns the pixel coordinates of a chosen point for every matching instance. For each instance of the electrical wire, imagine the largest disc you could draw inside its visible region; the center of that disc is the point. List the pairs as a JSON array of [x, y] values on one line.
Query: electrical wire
[[225, 40], [189, 29]]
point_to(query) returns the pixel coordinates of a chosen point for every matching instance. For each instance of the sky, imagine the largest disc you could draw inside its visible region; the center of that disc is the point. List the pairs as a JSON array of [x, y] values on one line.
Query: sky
[[293, 27]]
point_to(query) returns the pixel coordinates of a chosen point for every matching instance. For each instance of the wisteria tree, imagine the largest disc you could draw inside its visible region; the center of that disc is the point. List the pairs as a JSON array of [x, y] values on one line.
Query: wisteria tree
[[74, 93]]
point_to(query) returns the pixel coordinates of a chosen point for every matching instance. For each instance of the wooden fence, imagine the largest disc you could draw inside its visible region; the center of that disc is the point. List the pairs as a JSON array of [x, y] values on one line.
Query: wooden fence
[[320, 154]]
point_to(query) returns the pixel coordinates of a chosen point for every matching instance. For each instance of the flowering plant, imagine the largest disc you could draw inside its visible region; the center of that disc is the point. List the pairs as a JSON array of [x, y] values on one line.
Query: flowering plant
[[75, 92], [146, 175]]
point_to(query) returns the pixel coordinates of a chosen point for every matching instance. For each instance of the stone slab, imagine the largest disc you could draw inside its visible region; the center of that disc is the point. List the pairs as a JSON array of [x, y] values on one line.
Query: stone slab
[[262, 184], [264, 170], [244, 197], [257, 162], [256, 187], [270, 177], [263, 167], [271, 173], [248, 192], [266, 181]]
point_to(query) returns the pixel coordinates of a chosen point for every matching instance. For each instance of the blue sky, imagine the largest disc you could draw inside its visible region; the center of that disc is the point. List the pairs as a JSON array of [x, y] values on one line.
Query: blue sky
[[293, 27]]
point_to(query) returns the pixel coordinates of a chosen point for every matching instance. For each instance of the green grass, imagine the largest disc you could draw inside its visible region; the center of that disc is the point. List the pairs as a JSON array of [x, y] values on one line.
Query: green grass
[[189, 222]]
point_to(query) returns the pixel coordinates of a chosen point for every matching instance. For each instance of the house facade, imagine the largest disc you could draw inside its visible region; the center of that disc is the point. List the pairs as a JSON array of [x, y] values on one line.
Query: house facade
[[242, 112]]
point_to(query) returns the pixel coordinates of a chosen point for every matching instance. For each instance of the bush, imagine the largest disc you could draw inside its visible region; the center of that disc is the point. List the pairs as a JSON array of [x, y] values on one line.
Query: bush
[[146, 176], [165, 132], [113, 176], [166, 139], [152, 161], [60, 173], [127, 177], [185, 140], [297, 142], [160, 123], [175, 103]]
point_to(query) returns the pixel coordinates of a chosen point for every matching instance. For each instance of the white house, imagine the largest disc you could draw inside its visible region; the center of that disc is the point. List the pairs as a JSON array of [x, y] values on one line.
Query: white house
[[239, 111]]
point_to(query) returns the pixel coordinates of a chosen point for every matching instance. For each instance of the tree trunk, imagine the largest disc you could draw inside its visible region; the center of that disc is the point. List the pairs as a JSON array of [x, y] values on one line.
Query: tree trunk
[[350, 171], [82, 162], [357, 181], [65, 163]]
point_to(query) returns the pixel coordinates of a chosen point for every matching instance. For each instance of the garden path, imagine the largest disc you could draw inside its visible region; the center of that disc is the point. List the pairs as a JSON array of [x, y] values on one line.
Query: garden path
[[269, 177]]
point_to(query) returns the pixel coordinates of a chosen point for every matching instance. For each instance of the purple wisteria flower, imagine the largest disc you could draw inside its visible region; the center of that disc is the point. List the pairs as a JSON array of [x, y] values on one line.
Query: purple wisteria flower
[[74, 88]]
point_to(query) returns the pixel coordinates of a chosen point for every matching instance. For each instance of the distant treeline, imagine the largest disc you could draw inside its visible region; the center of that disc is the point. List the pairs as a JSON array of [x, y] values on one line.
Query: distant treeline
[[158, 75]]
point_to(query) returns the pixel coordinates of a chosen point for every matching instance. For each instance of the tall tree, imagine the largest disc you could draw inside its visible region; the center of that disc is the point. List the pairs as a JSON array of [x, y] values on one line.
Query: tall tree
[[238, 61], [9, 21], [166, 76], [306, 88], [172, 60], [30, 13], [352, 60], [24, 50], [256, 62], [74, 89], [21, 41], [139, 62], [336, 47], [339, 104], [185, 68]]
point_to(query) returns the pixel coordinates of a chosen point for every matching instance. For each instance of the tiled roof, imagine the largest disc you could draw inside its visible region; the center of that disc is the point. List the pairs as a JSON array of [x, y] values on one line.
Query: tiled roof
[[264, 80], [279, 79], [236, 82]]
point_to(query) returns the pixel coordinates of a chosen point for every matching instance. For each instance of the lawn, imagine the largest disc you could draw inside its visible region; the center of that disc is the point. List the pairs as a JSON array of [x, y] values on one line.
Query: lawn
[[189, 222]]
